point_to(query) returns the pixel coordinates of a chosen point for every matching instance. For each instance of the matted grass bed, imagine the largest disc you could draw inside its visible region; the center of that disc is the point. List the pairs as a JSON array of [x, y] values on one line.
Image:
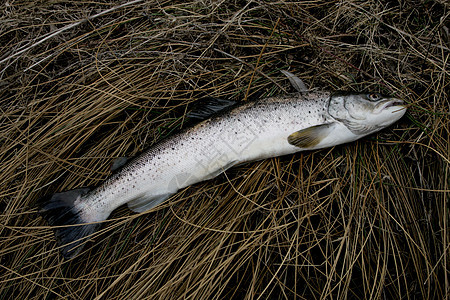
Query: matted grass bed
[[82, 83]]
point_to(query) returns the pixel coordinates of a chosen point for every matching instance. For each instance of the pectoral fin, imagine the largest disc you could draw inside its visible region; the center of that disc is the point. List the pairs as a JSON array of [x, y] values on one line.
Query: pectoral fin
[[311, 136]]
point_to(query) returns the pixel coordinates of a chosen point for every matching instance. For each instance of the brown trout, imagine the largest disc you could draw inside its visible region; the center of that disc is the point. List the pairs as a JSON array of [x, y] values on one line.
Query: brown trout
[[234, 134]]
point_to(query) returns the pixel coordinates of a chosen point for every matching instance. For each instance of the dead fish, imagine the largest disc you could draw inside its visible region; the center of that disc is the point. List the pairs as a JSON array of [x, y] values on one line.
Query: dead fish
[[230, 134]]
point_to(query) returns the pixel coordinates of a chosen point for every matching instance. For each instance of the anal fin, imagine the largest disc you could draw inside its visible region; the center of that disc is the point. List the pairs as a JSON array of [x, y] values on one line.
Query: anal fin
[[143, 203]]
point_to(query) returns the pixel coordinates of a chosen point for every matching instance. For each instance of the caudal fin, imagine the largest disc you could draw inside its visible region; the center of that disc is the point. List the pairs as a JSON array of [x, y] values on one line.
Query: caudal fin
[[59, 210]]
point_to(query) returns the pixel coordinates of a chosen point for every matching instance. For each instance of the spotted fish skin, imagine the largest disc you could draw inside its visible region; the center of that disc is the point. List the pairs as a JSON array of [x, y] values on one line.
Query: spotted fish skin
[[247, 132], [251, 131]]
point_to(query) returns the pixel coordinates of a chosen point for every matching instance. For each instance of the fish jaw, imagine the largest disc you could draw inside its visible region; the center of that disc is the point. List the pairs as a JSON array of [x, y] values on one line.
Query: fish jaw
[[392, 104], [387, 112]]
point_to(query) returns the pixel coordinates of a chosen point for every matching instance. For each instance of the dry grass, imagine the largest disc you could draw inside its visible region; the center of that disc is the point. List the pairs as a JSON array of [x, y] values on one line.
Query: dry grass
[[84, 83]]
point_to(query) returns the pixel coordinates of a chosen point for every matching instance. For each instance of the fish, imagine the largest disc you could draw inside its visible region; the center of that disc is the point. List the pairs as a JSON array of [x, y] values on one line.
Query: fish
[[227, 134]]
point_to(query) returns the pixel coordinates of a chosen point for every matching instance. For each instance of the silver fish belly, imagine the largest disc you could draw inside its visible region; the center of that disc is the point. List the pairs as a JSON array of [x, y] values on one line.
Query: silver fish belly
[[251, 131]]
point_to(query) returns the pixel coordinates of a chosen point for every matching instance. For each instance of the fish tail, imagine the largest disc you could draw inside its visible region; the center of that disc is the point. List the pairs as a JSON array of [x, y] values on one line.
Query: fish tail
[[61, 211]]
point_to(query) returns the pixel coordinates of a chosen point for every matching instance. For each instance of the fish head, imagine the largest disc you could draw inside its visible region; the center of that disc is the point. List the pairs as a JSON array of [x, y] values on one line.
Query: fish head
[[365, 113]]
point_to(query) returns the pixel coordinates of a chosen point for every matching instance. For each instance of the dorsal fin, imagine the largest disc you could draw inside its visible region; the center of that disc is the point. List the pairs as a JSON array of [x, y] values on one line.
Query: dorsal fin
[[296, 82], [206, 107], [118, 162]]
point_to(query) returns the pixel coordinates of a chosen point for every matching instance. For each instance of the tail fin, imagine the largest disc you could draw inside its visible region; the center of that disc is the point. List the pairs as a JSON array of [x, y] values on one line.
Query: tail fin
[[59, 210]]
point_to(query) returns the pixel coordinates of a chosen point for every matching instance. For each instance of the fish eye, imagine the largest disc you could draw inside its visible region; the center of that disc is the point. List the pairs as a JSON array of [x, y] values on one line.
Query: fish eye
[[374, 97]]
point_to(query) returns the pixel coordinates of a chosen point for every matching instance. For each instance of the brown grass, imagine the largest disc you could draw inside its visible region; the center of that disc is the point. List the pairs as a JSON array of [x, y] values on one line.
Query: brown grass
[[87, 82]]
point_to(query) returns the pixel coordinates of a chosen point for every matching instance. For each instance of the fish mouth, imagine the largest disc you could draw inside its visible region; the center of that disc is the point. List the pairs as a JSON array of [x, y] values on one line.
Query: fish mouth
[[392, 103]]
